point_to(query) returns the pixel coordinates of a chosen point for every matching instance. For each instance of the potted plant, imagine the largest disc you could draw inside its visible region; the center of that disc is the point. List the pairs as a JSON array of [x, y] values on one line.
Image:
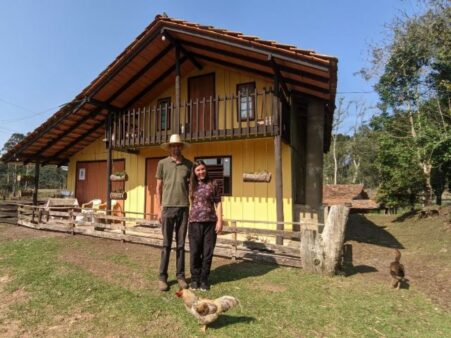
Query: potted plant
[[119, 176]]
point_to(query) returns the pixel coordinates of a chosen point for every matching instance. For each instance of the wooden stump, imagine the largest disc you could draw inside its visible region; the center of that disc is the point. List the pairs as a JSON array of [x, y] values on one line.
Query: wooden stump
[[321, 252]]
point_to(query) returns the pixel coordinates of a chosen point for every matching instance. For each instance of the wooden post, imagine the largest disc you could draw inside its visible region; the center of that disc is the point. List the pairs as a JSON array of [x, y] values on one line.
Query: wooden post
[[278, 162], [109, 164], [321, 253], [176, 119], [235, 241], [36, 182], [72, 220]]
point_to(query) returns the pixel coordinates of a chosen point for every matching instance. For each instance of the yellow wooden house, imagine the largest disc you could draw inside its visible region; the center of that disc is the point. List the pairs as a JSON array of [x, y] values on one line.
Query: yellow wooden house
[[258, 112]]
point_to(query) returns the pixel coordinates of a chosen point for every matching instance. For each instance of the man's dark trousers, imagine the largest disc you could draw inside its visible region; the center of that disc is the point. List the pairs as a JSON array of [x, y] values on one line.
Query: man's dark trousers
[[173, 219]]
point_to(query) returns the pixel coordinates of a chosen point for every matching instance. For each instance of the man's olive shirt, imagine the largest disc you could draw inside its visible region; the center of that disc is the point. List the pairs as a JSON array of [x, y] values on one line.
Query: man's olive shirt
[[175, 177]]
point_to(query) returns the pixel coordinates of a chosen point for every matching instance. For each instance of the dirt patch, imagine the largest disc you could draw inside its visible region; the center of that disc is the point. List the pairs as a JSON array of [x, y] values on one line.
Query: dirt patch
[[10, 232], [121, 263], [8, 326], [373, 251]]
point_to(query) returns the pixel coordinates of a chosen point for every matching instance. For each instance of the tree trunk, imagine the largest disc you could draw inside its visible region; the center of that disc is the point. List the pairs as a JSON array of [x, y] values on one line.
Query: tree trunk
[[438, 199], [334, 152], [427, 186], [356, 170], [321, 253]]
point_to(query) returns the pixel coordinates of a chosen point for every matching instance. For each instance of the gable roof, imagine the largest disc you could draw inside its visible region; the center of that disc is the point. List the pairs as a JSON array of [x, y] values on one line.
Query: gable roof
[[147, 66]]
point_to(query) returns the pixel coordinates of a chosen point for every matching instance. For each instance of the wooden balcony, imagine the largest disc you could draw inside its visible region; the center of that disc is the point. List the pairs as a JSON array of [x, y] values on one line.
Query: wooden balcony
[[199, 120]]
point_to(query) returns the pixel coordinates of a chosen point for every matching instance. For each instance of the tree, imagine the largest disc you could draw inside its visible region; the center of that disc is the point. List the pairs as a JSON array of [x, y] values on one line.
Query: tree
[[51, 176], [415, 90], [8, 182]]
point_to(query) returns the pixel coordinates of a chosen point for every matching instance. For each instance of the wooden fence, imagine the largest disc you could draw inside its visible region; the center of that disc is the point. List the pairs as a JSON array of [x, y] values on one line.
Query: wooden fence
[[236, 242], [8, 212]]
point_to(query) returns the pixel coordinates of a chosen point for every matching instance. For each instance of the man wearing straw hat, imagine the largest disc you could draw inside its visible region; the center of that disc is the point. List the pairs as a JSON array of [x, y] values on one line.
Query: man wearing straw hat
[[173, 173]]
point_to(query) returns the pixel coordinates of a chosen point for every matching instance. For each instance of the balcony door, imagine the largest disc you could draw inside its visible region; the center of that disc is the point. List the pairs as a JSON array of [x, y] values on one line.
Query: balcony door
[[202, 112]]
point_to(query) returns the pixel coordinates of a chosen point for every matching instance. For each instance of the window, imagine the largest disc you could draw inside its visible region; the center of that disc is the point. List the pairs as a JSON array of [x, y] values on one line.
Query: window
[[246, 104], [220, 170], [164, 113]]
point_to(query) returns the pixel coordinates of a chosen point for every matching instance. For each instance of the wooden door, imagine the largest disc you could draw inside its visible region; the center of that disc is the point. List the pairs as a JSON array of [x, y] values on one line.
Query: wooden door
[[91, 181], [202, 113], [151, 185]]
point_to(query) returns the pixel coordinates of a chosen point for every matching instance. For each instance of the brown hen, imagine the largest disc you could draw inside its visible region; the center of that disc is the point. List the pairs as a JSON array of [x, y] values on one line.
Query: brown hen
[[206, 310]]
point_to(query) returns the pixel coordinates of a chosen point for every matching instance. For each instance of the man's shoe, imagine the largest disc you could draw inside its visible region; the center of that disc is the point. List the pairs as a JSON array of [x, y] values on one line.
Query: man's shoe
[[182, 283], [163, 285], [204, 286], [194, 285]]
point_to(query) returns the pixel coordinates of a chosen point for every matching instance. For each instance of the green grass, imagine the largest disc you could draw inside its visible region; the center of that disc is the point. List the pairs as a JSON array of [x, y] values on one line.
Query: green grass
[[64, 299]]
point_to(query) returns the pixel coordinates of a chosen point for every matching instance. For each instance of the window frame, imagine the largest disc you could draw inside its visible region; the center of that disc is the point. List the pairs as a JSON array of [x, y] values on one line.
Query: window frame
[[160, 104], [252, 109], [220, 157]]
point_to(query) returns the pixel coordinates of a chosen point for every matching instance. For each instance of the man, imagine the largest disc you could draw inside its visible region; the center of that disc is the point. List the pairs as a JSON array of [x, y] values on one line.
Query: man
[[173, 173]]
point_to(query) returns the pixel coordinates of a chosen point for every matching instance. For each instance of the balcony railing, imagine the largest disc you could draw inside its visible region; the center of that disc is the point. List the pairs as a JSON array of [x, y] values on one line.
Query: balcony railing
[[198, 120]]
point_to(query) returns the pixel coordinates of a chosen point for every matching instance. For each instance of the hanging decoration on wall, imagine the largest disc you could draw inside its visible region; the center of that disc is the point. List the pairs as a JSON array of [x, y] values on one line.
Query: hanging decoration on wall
[[261, 176], [119, 176]]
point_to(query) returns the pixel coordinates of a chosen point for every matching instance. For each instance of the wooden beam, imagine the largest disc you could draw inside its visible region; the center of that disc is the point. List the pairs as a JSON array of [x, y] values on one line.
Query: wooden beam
[[153, 84], [109, 162], [78, 139], [66, 132], [176, 118], [278, 162], [260, 72], [246, 46], [103, 105], [36, 183], [177, 44], [126, 60], [260, 62], [102, 83], [280, 78], [126, 85], [136, 77]]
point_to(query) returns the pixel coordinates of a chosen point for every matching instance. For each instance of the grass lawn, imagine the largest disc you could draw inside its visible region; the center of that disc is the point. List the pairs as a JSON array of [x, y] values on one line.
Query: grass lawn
[[74, 286]]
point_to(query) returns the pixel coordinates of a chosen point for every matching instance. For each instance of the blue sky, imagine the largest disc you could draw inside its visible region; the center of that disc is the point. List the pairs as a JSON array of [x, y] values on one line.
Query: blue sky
[[52, 49]]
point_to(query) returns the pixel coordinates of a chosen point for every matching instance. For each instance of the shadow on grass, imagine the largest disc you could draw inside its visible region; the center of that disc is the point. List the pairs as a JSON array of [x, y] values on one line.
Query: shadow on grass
[[242, 269], [349, 270], [407, 215], [225, 320], [361, 229]]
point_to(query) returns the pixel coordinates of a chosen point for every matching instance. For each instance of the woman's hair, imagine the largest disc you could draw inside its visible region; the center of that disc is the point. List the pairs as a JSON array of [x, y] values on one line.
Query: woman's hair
[[193, 179]]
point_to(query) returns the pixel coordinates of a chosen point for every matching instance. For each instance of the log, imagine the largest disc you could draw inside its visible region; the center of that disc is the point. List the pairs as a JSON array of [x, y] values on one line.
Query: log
[[257, 177], [321, 252]]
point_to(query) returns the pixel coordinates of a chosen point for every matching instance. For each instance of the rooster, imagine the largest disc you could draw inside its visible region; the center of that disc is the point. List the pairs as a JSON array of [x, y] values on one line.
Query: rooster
[[397, 271], [205, 310]]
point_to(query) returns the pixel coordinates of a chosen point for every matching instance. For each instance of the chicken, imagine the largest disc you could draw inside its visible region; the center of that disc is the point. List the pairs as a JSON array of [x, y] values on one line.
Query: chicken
[[205, 310], [397, 271]]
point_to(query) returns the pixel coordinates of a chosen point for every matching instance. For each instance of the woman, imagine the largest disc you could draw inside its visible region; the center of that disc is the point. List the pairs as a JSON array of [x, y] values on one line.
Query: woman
[[205, 223]]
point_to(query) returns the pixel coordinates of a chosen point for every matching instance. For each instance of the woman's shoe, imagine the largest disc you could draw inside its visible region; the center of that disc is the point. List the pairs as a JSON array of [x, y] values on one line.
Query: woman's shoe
[[204, 286], [194, 285]]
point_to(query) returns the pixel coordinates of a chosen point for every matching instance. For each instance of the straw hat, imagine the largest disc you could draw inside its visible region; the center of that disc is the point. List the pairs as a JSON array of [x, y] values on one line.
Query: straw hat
[[174, 139]]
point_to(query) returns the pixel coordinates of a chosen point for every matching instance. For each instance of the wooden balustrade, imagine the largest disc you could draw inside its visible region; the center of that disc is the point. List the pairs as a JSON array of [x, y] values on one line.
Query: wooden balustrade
[[203, 119]]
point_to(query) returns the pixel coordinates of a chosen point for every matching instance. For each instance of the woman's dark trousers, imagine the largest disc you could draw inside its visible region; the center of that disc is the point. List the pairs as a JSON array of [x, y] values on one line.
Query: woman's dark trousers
[[202, 240]]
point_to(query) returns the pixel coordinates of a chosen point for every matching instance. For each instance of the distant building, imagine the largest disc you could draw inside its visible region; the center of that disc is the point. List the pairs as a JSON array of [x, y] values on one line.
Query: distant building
[[352, 195]]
